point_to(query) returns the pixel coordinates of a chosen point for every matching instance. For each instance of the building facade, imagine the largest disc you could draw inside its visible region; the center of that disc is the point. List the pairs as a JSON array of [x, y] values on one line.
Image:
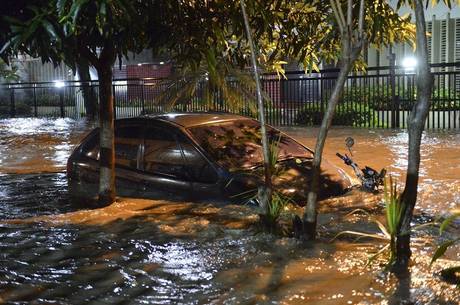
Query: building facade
[[443, 26]]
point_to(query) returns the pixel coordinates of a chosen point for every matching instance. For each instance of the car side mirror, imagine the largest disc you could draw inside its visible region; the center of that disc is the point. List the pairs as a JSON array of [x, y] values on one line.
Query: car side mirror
[[349, 142]]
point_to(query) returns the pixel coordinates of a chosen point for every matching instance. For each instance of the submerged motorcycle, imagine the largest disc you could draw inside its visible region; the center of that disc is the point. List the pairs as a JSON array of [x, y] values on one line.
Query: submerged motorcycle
[[370, 178]]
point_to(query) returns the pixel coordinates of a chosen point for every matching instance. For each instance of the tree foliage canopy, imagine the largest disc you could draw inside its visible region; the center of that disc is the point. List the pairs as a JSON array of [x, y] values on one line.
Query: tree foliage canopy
[[192, 32], [305, 31]]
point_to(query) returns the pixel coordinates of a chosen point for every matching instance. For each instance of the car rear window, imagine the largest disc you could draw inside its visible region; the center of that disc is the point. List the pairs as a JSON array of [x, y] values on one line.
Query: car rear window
[[236, 145]]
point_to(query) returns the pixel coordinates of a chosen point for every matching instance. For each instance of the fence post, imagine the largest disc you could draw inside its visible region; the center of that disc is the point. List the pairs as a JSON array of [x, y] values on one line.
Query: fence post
[[321, 96], [394, 110], [35, 101], [12, 103], [114, 103], [96, 102], [61, 102], [143, 98]]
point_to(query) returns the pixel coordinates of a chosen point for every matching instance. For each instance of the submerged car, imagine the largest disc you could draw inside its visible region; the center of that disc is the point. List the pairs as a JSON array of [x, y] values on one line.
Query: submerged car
[[197, 157]]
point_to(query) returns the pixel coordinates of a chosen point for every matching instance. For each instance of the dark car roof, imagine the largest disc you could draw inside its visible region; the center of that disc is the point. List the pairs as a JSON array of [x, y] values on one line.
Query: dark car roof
[[193, 119]]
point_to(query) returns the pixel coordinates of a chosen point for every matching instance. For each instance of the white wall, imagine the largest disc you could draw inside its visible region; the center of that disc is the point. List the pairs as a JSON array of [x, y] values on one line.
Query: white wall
[[444, 43], [440, 10]]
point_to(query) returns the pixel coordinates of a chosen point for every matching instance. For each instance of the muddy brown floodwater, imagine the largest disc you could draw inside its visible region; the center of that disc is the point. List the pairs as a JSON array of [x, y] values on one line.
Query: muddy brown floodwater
[[156, 252]]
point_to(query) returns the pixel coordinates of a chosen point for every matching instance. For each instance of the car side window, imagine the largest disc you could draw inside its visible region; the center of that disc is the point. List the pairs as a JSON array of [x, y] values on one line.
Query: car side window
[[199, 169], [162, 154], [91, 147], [128, 140]]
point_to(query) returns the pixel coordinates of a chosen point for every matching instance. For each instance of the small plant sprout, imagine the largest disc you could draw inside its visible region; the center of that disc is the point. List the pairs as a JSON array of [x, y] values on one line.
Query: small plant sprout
[[449, 274], [276, 206], [274, 152], [277, 201], [393, 215], [394, 208]]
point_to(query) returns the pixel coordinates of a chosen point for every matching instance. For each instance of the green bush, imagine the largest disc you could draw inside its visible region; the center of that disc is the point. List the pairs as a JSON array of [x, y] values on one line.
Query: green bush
[[4, 111], [21, 109], [379, 97], [53, 100], [48, 100], [346, 114], [445, 99]]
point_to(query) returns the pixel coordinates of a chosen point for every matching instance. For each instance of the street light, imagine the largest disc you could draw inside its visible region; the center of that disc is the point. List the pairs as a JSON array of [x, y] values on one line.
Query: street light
[[59, 84], [409, 63]]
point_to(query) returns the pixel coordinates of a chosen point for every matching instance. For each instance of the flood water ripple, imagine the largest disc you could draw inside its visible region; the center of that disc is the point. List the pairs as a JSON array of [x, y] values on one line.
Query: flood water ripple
[[153, 252]]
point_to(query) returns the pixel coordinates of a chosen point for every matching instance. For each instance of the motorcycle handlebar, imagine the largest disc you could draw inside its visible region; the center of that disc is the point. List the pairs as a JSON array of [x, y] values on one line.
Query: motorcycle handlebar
[[340, 156], [345, 159]]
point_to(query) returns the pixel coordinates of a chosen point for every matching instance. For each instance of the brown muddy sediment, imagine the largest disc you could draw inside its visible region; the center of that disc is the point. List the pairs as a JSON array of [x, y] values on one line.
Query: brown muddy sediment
[[158, 252]]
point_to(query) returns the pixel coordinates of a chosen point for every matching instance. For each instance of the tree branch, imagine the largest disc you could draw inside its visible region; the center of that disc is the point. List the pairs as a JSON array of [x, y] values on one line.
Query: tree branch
[[92, 58], [349, 14], [340, 11], [361, 20], [337, 17]]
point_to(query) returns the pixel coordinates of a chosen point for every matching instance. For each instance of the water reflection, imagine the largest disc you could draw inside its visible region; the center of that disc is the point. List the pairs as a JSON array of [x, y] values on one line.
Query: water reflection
[[38, 145], [153, 252], [401, 293], [188, 253], [439, 185]]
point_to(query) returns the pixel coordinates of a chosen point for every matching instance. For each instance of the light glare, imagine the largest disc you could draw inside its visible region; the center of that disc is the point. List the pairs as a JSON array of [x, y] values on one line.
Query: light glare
[[59, 84], [409, 63]]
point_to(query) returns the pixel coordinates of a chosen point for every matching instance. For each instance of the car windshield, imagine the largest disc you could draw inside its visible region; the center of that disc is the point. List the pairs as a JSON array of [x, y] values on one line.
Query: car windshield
[[236, 145]]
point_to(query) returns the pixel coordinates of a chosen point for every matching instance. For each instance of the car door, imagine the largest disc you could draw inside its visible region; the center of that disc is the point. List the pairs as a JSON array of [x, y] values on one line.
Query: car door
[[128, 149], [128, 145], [202, 173], [163, 169], [84, 182]]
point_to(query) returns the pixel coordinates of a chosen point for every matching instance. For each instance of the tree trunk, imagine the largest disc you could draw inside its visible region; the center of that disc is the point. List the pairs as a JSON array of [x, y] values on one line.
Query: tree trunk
[[352, 44], [310, 213], [89, 97], [106, 123], [266, 193], [416, 125]]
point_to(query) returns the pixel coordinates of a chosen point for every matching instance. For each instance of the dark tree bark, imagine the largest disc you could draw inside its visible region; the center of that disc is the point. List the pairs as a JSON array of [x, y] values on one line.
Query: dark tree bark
[[103, 66], [416, 125], [89, 96]]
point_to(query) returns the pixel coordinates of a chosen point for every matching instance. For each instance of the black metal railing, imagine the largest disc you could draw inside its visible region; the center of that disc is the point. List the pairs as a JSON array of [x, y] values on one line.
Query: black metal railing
[[380, 98]]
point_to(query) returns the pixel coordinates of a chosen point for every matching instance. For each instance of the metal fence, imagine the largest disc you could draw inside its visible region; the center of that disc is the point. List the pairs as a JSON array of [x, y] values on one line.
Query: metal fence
[[380, 98]]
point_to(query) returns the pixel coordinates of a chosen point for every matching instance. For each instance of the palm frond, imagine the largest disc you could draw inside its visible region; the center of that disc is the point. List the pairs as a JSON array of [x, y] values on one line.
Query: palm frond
[[215, 86]]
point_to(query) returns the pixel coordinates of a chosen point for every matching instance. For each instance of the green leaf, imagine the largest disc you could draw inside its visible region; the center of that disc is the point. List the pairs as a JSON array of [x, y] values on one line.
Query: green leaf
[[375, 236], [448, 220], [49, 28], [75, 10], [6, 46], [374, 256], [450, 275], [442, 249]]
